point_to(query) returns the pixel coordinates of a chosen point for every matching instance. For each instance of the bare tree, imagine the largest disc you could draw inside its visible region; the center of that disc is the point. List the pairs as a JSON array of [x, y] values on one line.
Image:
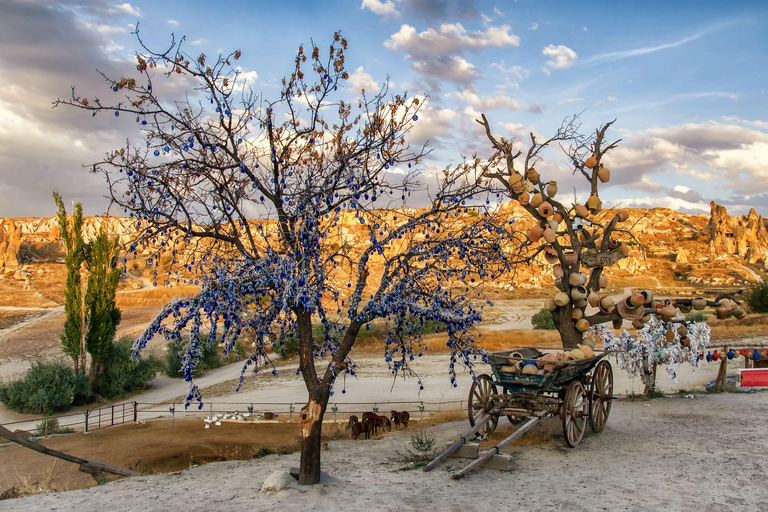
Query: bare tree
[[266, 192], [580, 240]]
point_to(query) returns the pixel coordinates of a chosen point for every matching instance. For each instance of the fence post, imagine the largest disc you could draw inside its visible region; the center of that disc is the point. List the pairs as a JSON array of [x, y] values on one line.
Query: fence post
[[86, 421], [290, 417], [135, 412]]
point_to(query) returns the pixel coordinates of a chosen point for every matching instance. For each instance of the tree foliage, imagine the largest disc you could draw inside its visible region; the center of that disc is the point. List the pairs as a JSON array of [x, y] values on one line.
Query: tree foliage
[[71, 234], [262, 193], [46, 388], [757, 300]]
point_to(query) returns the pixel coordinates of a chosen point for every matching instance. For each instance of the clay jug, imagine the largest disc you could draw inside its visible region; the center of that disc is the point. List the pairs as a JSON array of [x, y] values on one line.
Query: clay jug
[[594, 299], [561, 298], [623, 215], [591, 162], [535, 233], [570, 258], [581, 210], [537, 199], [523, 198], [549, 235], [557, 217], [604, 174], [699, 303], [557, 271], [550, 305], [637, 300], [582, 325], [576, 280], [618, 323], [578, 292], [545, 209], [552, 189], [532, 175], [594, 203], [577, 314]]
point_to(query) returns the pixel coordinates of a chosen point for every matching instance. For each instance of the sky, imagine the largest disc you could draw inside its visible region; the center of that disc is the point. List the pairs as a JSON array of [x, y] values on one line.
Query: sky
[[685, 82]]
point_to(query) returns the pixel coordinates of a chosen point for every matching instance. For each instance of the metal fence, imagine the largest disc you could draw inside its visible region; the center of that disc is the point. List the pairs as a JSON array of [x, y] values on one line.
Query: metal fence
[[132, 412]]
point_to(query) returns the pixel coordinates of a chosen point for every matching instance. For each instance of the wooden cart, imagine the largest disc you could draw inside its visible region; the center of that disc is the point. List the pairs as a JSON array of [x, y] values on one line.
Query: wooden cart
[[579, 391]]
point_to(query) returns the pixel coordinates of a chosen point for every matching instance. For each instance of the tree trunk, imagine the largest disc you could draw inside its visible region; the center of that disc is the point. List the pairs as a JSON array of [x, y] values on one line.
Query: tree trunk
[[569, 336], [311, 428]]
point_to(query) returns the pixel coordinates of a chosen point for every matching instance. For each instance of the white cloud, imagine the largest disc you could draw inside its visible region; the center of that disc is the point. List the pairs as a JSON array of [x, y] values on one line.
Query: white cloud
[[433, 122], [173, 23], [360, 80], [497, 12], [455, 69], [490, 103], [104, 30], [533, 26], [449, 38], [612, 98], [129, 9], [386, 8], [562, 56], [568, 101], [198, 42], [519, 71], [642, 51]]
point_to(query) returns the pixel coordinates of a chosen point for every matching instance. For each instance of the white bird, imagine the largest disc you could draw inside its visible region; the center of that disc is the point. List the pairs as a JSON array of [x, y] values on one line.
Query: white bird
[[218, 423], [207, 426]]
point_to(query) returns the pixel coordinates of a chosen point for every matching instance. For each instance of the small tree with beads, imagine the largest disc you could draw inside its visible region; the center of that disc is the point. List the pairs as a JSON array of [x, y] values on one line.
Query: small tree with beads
[[293, 215]]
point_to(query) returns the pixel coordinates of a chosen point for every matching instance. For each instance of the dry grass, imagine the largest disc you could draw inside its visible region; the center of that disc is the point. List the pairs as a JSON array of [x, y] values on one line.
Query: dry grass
[[535, 437], [443, 417], [37, 483]]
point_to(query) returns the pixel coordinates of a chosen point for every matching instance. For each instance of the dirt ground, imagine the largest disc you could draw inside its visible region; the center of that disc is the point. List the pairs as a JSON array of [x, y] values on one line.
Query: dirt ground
[[705, 453]]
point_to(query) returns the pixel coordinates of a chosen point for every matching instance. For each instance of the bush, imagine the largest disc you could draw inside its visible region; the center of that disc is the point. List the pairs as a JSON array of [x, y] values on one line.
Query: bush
[[543, 320], [757, 300], [125, 374], [211, 358], [695, 316], [50, 426], [47, 388]]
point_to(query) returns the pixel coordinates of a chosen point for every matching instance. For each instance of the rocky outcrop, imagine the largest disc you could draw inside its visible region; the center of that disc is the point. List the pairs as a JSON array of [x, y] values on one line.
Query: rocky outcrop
[[745, 236], [10, 245]]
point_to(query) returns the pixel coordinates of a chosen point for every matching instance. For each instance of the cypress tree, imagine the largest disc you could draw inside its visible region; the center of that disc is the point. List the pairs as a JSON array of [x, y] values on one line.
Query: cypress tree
[[101, 315], [72, 235]]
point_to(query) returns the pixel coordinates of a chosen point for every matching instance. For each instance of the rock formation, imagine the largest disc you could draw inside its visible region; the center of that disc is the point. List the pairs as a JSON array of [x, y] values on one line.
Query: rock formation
[[10, 244], [745, 236]]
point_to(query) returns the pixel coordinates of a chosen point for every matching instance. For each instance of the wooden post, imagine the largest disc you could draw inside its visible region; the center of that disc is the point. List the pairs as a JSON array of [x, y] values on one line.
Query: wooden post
[[135, 412], [720, 381], [87, 413]]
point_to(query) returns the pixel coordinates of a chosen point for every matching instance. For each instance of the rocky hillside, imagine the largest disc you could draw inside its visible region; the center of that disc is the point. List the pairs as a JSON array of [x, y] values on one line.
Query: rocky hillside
[[669, 250]]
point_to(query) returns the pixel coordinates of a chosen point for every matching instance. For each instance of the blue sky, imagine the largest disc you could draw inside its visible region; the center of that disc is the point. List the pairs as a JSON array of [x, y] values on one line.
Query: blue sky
[[686, 82]]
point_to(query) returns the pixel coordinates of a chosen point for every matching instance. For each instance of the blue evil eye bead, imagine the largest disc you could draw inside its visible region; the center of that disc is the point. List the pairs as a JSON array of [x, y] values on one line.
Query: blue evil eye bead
[[144, 122], [157, 152], [114, 88], [117, 114], [415, 117]]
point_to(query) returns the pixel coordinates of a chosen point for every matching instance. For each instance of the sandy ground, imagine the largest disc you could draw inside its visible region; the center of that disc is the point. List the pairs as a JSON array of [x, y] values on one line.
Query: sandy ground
[[704, 454]]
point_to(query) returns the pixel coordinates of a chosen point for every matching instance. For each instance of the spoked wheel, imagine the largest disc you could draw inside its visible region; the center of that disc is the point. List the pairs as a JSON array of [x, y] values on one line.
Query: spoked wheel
[[512, 419], [600, 396], [573, 412], [481, 402]]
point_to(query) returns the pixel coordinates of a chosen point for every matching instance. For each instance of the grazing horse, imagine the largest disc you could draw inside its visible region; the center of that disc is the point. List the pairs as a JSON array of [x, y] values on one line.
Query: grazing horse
[[401, 417], [352, 420], [363, 427], [382, 422]]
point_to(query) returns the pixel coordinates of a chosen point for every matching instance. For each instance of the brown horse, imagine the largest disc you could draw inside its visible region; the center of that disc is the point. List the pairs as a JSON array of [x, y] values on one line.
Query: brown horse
[[401, 417], [363, 427]]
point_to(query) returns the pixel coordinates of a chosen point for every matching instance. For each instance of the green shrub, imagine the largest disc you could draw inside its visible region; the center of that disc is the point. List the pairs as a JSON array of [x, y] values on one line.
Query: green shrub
[[757, 300], [543, 320], [695, 316], [125, 374], [46, 388], [173, 358], [50, 426]]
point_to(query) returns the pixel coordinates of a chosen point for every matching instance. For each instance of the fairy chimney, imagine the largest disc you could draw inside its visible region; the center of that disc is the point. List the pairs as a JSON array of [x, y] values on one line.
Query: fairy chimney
[[745, 236], [10, 243]]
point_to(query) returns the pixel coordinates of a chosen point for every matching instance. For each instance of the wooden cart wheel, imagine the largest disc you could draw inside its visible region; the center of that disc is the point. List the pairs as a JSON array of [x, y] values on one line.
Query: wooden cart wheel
[[512, 419], [481, 402], [600, 396], [573, 412]]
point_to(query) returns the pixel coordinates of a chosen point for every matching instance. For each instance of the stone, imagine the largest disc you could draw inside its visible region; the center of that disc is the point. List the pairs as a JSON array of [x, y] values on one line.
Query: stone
[[280, 480], [745, 236]]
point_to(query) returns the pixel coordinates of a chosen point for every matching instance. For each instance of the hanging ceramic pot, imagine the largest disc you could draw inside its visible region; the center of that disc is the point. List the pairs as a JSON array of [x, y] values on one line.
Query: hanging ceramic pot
[[591, 162], [578, 292], [721, 313], [581, 326], [715, 356], [529, 187], [682, 331], [570, 258], [550, 304], [668, 312], [618, 323], [756, 355], [550, 254], [557, 217], [581, 303], [730, 354], [648, 295], [684, 308], [604, 174], [709, 357], [532, 175], [523, 198], [552, 189], [607, 305], [549, 235], [699, 303], [594, 203], [535, 233], [557, 271], [685, 342], [576, 314], [638, 324], [594, 299], [636, 300], [646, 319], [623, 215], [603, 281], [559, 284], [517, 183], [739, 313], [669, 335], [553, 225], [537, 199], [545, 209], [575, 279], [581, 210], [561, 298]]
